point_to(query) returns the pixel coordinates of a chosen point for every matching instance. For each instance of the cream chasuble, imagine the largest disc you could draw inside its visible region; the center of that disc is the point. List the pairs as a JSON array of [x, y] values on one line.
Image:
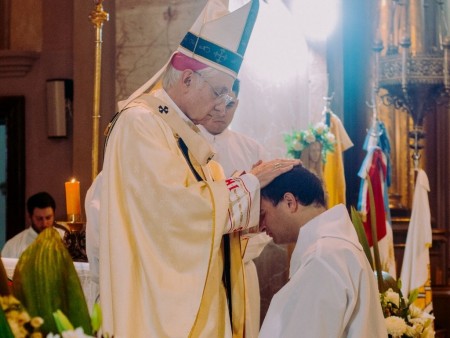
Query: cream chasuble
[[161, 231]]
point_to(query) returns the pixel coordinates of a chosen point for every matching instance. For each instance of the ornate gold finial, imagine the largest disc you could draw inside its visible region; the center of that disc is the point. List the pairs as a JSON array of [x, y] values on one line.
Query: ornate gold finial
[[98, 16]]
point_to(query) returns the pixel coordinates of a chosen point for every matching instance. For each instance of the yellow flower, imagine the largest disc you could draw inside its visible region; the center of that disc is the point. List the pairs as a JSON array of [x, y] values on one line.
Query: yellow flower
[[297, 146], [17, 317], [309, 137], [428, 333], [413, 331], [320, 128], [392, 297], [330, 138], [36, 322], [396, 326]]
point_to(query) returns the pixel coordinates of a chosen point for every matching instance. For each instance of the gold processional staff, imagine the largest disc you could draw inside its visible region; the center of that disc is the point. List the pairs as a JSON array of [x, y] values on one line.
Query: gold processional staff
[[98, 16]]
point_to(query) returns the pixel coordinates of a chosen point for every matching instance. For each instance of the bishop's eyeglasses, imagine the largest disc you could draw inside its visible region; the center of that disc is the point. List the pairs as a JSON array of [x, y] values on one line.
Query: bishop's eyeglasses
[[221, 98]]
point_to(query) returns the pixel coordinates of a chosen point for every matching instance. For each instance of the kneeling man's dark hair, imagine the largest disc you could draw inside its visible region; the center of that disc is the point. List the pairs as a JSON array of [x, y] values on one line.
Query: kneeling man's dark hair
[[303, 184]]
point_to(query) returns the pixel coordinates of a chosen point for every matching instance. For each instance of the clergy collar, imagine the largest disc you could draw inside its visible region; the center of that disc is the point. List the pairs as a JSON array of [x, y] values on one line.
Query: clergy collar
[[162, 95], [211, 137]]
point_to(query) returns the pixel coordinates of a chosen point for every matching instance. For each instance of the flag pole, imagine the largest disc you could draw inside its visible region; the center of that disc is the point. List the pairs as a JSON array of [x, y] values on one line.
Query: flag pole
[[98, 16]]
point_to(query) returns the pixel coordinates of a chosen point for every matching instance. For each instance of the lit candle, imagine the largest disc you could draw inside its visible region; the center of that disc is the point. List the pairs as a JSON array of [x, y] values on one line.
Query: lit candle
[[73, 198]]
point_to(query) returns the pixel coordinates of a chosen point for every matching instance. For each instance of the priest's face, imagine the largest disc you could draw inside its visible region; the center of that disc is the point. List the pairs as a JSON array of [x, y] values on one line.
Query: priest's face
[[209, 95], [42, 218], [219, 120], [277, 221]]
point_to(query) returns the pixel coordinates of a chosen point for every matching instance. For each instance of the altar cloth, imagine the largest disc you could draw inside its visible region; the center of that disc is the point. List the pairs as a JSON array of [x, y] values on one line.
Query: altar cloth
[[89, 288]]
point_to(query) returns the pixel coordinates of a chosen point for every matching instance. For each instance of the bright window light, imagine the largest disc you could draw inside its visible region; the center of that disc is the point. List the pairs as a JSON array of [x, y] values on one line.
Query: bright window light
[[316, 18], [277, 48]]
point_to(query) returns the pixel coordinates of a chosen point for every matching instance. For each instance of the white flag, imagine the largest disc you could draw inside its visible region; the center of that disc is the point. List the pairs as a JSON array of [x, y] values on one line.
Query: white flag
[[416, 259]]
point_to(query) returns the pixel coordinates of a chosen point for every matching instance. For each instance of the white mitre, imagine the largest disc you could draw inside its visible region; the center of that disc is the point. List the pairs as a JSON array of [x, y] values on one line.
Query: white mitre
[[218, 39]]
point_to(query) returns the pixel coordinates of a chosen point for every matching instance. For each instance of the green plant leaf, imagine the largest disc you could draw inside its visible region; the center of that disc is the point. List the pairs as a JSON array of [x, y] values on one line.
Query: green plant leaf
[[5, 329], [4, 287], [96, 317], [359, 227], [373, 226], [413, 296], [62, 322]]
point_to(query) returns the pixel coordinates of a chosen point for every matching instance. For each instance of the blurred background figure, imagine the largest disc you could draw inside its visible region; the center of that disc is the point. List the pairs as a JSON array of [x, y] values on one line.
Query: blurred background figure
[[41, 212], [312, 159]]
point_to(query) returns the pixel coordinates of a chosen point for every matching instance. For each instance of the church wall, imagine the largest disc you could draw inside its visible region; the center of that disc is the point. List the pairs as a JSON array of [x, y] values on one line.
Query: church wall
[[47, 160], [63, 40], [26, 18], [144, 45]]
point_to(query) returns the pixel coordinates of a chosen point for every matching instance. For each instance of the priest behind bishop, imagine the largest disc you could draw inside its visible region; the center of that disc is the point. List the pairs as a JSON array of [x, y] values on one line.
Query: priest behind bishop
[[164, 222], [238, 152]]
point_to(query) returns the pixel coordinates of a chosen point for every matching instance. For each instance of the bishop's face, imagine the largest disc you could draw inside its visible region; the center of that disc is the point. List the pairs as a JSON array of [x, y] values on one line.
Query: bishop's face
[[208, 96]]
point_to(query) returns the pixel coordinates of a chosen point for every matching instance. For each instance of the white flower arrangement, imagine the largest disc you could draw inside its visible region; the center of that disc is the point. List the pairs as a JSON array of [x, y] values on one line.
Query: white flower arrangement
[[297, 141], [22, 325], [403, 318], [77, 333]]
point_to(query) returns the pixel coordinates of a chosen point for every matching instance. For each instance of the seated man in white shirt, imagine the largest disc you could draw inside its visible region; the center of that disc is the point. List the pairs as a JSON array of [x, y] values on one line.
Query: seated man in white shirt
[[41, 212], [332, 291], [237, 152]]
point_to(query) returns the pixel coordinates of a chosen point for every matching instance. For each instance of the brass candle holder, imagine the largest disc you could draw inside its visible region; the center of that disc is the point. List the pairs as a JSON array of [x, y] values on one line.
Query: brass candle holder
[[74, 237], [73, 218]]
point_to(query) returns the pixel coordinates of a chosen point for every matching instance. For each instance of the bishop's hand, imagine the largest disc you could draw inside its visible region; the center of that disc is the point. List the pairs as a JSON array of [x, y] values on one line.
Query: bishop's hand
[[266, 172]]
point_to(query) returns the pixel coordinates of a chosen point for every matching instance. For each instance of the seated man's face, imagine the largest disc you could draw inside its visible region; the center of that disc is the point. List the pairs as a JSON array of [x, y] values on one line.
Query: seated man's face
[[42, 218], [218, 120]]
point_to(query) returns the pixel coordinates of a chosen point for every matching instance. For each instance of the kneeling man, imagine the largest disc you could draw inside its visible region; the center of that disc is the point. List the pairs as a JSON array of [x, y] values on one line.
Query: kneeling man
[[332, 290]]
